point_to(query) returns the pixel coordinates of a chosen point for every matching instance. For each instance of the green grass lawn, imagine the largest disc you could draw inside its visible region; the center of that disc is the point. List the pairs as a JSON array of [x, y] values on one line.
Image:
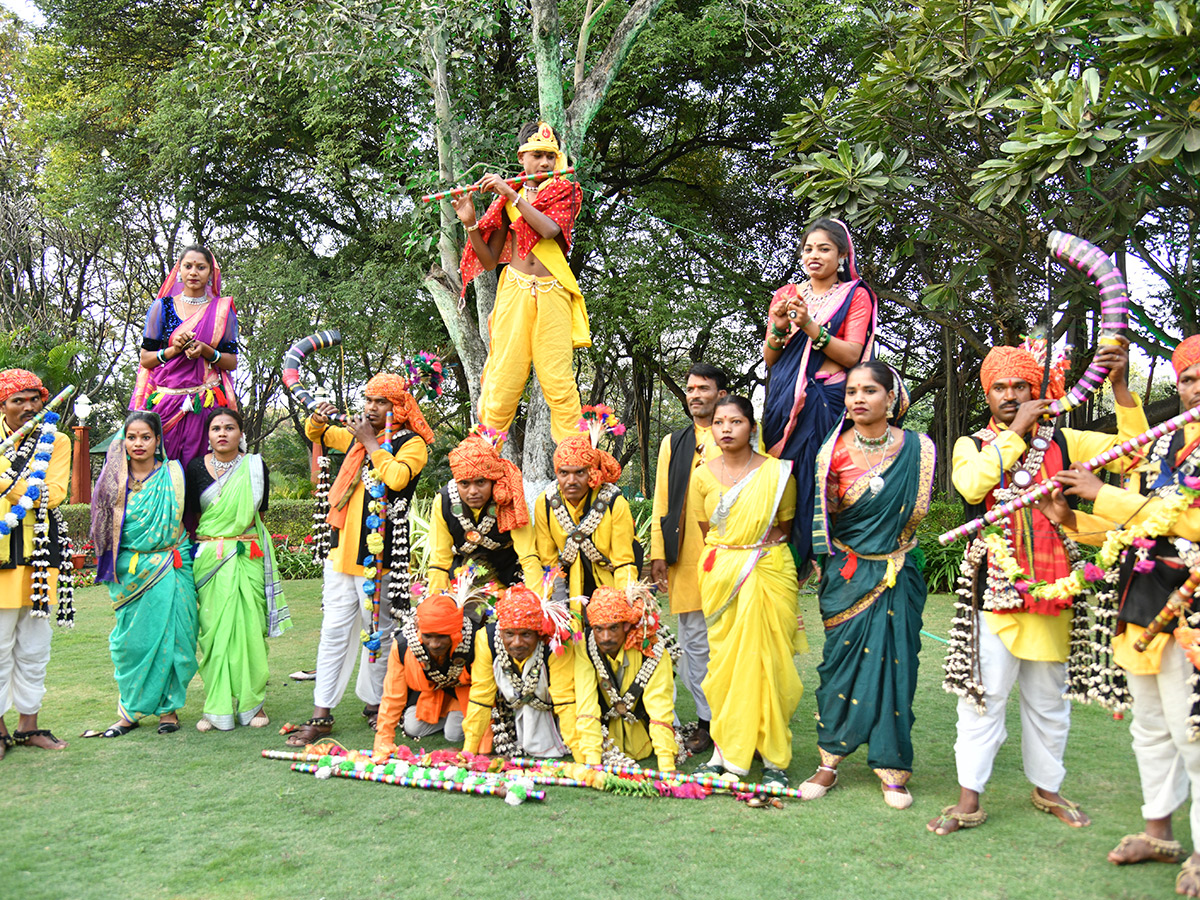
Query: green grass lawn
[[201, 815]]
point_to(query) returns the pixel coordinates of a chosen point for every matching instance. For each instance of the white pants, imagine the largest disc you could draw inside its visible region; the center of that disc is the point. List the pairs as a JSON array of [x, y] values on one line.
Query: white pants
[[1045, 717], [1169, 765], [343, 619], [693, 660], [24, 655], [451, 724]]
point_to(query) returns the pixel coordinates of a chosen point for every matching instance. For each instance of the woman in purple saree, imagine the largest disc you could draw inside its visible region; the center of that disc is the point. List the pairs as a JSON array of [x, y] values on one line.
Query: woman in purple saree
[[189, 350]]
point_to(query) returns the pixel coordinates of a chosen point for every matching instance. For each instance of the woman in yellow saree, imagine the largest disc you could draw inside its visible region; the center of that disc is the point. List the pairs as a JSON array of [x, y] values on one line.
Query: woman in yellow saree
[[744, 503]]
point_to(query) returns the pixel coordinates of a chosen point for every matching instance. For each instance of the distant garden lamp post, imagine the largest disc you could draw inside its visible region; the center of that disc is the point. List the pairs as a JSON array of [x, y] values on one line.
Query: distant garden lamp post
[[81, 465]]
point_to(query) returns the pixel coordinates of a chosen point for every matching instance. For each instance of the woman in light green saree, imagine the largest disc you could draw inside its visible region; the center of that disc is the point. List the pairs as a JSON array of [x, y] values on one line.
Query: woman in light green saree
[[241, 602], [143, 553]]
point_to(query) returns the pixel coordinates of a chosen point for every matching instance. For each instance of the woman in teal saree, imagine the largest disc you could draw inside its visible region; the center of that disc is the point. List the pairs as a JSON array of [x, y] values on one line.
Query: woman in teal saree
[[874, 482], [143, 554]]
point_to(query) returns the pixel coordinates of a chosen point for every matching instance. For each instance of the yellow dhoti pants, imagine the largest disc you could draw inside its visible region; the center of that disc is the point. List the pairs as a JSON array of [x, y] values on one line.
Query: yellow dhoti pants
[[530, 325]]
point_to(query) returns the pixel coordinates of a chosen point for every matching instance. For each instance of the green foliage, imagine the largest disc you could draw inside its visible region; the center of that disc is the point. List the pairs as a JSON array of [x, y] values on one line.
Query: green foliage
[[942, 564]]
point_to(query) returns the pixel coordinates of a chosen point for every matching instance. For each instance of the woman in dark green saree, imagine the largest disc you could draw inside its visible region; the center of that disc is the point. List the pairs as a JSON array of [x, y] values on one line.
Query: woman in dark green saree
[[874, 482]]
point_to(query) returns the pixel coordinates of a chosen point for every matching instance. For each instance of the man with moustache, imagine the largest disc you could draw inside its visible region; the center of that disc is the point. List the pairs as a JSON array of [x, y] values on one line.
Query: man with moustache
[[674, 548], [1002, 635], [32, 504], [343, 613]]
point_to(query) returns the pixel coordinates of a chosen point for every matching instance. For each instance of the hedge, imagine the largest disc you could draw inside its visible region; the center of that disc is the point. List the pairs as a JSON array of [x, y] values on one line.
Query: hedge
[[290, 517]]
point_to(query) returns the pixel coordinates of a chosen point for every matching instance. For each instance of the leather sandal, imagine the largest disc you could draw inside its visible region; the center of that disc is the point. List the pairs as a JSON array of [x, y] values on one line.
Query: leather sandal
[[310, 731], [1072, 814]]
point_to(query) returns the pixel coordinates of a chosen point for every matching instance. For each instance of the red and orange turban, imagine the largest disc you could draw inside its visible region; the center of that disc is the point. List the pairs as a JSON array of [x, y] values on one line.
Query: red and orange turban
[[439, 614], [1017, 362], [13, 381], [405, 411], [577, 450], [475, 458], [520, 608], [1186, 355], [610, 605]]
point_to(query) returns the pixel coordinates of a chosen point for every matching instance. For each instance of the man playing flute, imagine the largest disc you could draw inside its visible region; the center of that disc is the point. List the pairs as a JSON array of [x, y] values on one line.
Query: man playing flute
[[539, 316]]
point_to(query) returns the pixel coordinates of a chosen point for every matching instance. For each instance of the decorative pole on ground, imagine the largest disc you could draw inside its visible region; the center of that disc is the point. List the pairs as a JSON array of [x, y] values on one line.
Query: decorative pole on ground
[[81, 466]]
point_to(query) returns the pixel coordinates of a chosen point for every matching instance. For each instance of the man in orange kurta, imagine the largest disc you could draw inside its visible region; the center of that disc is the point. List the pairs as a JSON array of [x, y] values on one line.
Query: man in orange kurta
[[428, 677], [24, 607]]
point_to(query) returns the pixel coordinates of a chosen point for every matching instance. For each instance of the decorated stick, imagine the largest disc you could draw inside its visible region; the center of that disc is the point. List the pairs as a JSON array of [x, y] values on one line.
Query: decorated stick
[[1114, 309], [710, 781], [295, 356], [996, 513], [19, 435], [511, 182], [377, 590], [427, 784], [1179, 603]]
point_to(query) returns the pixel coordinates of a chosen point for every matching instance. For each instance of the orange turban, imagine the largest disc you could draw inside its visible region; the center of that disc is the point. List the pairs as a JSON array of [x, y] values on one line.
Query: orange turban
[[1186, 355], [404, 407], [520, 608], [577, 450], [610, 605], [475, 458], [439, 614], [1010, 362], [13, 381]]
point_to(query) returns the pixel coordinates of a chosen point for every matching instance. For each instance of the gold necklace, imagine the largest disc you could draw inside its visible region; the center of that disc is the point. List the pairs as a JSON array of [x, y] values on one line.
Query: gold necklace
[[136, 484]]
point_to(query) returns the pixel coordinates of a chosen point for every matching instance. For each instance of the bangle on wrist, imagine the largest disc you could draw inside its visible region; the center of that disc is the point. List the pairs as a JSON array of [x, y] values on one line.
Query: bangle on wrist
[[216, 356], [471, 228], [822, 339], [779, 332], [161, 355], [776, 347]]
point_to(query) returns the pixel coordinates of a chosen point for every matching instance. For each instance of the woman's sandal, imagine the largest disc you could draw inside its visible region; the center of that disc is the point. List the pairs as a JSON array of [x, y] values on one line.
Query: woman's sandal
[[202, 724], [897, 796], [168, 727], [810, 790], [112, 731], [260, 719], [1072, 814], [1163, 851], [963, 820], [309, 732]]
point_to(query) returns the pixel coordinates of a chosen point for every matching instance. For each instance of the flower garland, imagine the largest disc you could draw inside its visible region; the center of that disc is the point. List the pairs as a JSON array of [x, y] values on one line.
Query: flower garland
[[36, 499], [322, 531], [376, 522], [1063, 590]]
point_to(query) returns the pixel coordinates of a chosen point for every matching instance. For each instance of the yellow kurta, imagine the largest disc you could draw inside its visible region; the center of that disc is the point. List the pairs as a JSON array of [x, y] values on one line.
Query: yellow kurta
[[752, 684], [1129, 507], [613, 537], [396, 470], [16, 584], [977, 470], [560, 677], [631, 739], [683, 588], [441, 549]]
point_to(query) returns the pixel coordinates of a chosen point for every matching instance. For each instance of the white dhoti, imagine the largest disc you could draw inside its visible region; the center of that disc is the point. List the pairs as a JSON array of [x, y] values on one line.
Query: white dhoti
[[1045, 717], [344, 617], [1168, 764], [24, 655], [451, 724]]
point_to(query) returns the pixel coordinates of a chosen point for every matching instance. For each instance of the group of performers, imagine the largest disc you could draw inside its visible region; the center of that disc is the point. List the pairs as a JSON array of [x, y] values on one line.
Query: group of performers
[[533, 632]]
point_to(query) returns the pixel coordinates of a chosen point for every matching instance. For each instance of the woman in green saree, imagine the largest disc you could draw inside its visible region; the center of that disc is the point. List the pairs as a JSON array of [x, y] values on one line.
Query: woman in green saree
[[241, 601], [874, 482], [143, 553]]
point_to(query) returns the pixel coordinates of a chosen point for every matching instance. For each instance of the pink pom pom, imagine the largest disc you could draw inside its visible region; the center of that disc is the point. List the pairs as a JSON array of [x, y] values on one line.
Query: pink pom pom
[[1092, 572], [1142, 566]]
